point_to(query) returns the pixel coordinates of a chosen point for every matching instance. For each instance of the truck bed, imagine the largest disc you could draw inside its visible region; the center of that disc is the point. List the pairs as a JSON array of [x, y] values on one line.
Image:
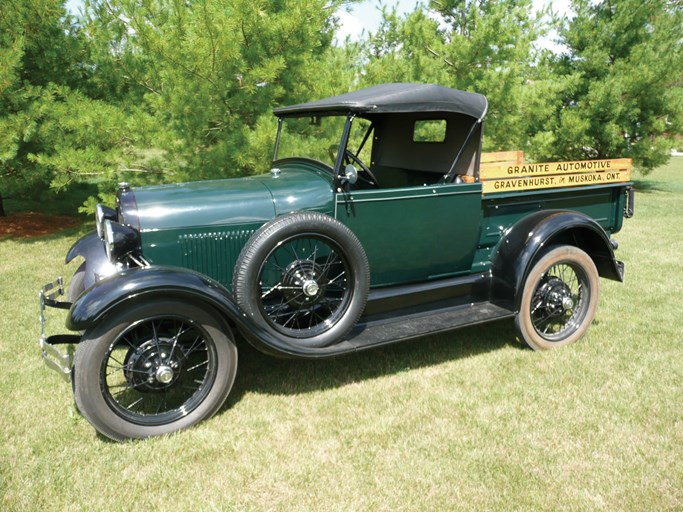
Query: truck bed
[[512, 189]]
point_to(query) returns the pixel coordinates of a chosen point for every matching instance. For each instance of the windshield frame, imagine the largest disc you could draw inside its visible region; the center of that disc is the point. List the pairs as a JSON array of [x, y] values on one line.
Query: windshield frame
[[339, 161]]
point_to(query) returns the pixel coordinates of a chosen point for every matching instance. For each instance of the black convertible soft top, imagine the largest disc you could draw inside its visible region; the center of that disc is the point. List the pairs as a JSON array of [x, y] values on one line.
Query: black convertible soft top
[[394, 98]]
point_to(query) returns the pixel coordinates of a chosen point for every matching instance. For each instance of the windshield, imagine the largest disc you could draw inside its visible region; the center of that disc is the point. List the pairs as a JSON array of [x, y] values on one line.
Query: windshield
[[319, 137]]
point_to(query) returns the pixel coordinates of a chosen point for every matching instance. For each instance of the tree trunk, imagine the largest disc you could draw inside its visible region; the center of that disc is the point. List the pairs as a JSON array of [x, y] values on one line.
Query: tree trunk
[[2, 209]]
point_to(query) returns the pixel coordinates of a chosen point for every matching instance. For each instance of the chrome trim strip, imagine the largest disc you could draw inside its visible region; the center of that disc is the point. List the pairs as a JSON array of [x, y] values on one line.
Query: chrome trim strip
[[423, 196]]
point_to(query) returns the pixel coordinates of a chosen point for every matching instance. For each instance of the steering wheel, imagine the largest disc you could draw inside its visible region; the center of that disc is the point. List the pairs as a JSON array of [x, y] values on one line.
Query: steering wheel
[[373, 180], [332, 151]]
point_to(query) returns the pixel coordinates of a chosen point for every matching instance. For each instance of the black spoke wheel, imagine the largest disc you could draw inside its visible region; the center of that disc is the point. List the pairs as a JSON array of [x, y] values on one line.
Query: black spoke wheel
[[304, 277], [559, 299], [154, 369], [304, 285]]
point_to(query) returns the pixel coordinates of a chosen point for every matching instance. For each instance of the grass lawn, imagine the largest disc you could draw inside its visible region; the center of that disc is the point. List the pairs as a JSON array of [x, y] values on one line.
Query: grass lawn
[[462, 421]]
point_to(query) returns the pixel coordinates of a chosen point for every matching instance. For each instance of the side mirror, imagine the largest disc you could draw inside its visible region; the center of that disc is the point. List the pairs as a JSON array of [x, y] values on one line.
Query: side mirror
[[351, 174]]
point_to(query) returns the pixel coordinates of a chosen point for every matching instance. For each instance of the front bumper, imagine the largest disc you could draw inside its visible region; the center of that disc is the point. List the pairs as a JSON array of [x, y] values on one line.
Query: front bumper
[[59, 360]]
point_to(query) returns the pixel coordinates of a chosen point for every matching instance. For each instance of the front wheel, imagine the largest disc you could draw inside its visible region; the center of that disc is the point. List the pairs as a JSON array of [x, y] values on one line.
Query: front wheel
[[154, 368], [559, 299]]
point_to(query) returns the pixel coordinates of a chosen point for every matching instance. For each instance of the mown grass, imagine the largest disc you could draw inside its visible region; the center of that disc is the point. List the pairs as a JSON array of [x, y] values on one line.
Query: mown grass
[[462, 421]]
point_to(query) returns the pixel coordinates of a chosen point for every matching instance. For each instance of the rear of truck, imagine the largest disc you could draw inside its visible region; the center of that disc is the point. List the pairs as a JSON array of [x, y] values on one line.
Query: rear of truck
[[599, 189], [547, 237]]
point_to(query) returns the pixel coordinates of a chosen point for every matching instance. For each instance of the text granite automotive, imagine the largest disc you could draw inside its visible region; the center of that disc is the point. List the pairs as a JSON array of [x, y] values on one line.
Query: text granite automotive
[[380, 220]]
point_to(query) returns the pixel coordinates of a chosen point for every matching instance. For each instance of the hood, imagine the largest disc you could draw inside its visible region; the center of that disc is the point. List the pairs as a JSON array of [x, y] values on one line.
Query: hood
[[233, 201]]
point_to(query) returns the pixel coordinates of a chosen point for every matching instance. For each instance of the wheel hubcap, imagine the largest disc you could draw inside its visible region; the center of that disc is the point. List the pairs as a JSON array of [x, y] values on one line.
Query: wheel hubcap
[[150, 367], [567, 303], [304, 286], [300, 284], [164, 374], [560, 302], [556, 296], [311, 288]]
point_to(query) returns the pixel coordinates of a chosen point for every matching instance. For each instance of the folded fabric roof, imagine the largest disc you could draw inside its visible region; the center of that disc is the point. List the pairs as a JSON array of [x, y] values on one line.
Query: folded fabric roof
[[394, 98]]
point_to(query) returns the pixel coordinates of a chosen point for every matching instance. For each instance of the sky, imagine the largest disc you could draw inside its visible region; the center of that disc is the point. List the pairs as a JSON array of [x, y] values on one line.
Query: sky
[[366, 15]]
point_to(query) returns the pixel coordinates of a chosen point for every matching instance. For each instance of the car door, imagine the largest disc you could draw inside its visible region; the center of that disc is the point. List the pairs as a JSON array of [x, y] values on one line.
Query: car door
[[413, 234]]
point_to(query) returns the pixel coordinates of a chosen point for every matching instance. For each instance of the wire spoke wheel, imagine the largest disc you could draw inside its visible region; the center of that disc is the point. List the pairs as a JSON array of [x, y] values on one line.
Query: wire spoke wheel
[[158, 370], [304, 277], [559, 299], [560, 303], [304, 285], [153, 368]]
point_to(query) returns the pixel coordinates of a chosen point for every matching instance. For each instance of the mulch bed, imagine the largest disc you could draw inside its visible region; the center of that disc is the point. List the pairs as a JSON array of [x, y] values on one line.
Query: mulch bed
[[32, 224]]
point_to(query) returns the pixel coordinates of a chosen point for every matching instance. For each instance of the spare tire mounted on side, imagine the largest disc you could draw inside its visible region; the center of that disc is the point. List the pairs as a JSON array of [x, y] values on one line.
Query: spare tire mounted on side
[[304, 277]]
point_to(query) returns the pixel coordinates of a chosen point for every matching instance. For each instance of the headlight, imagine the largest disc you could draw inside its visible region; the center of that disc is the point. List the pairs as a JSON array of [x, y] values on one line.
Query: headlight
[[103, 213], [119, 241]]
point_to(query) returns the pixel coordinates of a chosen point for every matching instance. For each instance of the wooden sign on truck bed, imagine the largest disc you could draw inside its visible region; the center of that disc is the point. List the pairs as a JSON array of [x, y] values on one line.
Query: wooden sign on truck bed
[[513, 175]]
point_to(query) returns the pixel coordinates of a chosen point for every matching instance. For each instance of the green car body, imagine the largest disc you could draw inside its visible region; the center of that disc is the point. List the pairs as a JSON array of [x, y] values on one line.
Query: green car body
[[204, 225], [313, 259]]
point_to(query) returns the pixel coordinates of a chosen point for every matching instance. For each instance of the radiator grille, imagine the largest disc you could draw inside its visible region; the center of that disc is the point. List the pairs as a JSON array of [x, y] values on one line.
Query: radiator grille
[[214, 254]]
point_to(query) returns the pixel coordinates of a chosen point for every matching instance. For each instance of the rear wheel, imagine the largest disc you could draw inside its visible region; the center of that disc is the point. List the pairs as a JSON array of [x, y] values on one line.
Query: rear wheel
[[153, 369], [559, 299]]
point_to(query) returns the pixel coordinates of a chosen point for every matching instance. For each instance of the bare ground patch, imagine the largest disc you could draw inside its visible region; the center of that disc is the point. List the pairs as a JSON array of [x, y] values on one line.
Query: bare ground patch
[[32, 224]]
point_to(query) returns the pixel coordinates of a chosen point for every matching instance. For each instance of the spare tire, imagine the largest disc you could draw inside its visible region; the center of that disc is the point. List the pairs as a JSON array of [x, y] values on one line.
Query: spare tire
[[304, 277]]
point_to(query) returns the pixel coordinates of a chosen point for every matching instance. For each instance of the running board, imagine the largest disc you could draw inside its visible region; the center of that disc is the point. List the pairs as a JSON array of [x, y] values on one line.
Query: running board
[[414, 325]]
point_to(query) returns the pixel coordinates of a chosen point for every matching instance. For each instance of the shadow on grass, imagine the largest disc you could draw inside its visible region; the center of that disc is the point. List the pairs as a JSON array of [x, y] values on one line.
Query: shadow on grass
[[648, 186], [259, 373]]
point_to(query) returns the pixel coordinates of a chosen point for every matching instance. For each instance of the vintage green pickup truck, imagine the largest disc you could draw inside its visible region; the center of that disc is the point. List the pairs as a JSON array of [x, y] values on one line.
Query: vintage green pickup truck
[[392, 225]]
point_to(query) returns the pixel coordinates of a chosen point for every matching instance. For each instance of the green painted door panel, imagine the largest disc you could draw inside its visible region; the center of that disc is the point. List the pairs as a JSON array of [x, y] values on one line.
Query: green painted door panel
[[414, 233]]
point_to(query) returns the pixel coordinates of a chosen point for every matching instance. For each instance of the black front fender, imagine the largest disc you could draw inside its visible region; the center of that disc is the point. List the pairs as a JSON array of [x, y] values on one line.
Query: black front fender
[[97, 265], [149, 283], [138, 284], [520, 247]]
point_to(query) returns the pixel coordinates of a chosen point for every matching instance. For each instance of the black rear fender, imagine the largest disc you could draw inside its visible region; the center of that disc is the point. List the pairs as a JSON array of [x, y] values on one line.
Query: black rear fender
[[527, 240]]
